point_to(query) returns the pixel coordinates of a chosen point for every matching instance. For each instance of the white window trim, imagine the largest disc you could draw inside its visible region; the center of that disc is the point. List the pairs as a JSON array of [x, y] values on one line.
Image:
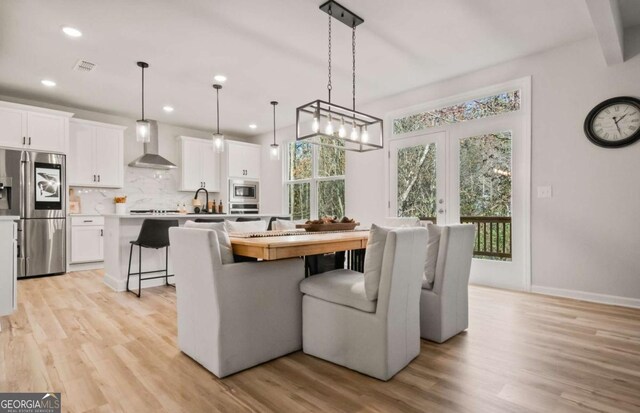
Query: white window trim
[[524, 84], [313, 181]]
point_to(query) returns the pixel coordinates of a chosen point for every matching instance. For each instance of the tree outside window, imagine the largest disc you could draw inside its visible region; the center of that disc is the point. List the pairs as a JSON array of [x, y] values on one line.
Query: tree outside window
[[314, 184]]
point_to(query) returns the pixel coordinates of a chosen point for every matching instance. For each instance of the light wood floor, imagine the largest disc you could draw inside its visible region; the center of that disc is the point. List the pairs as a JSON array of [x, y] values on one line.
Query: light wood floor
[[108, 351]]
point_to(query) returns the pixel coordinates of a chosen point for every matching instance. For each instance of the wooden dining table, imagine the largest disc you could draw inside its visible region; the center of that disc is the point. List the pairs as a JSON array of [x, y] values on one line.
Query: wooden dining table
[[277, 247]]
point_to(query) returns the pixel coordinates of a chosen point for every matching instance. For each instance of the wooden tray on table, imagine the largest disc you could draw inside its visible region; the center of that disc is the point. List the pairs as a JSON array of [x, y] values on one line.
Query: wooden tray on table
[[339, 226]]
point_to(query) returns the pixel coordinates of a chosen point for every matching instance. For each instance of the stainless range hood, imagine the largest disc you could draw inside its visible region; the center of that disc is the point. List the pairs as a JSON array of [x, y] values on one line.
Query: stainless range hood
[[151, 159]]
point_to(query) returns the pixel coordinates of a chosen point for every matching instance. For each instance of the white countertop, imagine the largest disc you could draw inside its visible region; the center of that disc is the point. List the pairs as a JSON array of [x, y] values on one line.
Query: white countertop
[[188, 216], [9, 218]]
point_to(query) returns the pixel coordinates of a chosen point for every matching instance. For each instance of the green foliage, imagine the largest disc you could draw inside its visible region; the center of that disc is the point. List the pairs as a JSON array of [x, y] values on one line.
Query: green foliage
[[417, 181], [485, 175], [469, 110], [329, 162]]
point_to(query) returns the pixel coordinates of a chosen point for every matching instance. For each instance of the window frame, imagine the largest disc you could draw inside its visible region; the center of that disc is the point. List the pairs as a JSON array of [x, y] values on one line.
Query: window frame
[[313, 181]]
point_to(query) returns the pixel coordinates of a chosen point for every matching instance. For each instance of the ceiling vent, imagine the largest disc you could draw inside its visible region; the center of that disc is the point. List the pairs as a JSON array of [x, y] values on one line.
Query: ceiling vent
[[84, 66]]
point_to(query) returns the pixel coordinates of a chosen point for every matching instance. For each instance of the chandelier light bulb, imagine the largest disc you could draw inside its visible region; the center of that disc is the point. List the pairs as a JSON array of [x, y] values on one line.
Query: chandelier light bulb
[[365, 134], [329, 128], [316, 124], [342, 132], [354, 133]]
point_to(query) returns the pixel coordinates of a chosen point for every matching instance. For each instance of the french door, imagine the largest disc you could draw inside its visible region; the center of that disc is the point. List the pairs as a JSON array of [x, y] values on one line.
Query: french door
[[477, 173]]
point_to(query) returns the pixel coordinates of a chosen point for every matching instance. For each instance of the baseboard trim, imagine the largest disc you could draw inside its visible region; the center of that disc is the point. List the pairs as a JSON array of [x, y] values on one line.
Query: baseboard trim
[[587, 296]]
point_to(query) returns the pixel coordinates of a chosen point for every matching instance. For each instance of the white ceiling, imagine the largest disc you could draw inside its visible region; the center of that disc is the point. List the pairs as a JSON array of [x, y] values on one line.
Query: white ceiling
[[269, 50]]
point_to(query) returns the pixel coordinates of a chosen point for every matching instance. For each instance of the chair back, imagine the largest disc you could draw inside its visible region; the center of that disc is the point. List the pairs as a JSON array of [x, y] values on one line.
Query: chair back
[[398, 306], [154, 233], [401, 222], [195, 254], [454, 259], [247, 219], [274, 219]]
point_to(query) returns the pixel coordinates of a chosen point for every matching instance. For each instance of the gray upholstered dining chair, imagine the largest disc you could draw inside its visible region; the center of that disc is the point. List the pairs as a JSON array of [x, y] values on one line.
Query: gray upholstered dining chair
[[374, 330]]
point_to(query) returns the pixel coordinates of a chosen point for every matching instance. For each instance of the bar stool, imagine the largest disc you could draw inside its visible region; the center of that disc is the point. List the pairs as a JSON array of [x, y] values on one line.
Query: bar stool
[[274, 219], [247, 219], [202, 220], [153, 234]]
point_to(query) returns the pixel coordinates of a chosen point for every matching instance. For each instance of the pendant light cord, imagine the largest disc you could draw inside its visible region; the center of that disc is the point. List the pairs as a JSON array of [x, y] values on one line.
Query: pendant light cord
[[143, 93], [329, 87], [274, 122], [218, 111], [353, 51]]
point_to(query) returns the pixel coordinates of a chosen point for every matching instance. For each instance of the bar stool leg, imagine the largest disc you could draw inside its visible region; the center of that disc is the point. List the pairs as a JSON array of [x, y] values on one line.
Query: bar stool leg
[[166, 269], [129, 270], [139, 270]]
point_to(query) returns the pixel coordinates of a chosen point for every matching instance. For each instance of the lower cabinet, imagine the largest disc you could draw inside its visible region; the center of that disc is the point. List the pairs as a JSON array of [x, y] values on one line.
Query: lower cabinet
[[87, 239]]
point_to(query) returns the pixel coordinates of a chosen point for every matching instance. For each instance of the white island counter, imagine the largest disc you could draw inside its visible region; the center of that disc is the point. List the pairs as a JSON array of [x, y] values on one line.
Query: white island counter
[[120, 230], [8, 269]]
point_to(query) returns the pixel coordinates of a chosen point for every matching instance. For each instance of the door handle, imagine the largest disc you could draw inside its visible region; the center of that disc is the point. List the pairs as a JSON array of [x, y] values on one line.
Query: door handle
[[94, 178], [441, 211], [29, 140], [24, 140], [102, 233], [98, 178]]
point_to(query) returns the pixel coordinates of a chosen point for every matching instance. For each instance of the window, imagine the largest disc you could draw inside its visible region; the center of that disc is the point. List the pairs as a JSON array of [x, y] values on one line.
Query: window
[[314, 180], [472, 109]]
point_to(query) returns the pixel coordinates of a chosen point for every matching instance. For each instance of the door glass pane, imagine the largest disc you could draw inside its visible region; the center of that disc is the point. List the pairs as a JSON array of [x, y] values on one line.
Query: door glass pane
[[300, 160], [417, 181], [485, 192], [331, 198], [331, 161], [299, 200]]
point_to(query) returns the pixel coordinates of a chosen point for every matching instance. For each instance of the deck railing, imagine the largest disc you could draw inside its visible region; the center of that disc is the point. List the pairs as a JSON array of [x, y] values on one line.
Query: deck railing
[[493, 236]]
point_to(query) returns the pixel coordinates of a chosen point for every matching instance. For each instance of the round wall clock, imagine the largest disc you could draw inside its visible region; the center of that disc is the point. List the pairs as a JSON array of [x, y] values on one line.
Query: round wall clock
[[614, 123]]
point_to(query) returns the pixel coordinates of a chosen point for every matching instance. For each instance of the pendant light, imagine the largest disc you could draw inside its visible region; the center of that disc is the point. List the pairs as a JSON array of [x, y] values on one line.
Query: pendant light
[[323, 122], [143, 127], [218, 138], [274, 152]]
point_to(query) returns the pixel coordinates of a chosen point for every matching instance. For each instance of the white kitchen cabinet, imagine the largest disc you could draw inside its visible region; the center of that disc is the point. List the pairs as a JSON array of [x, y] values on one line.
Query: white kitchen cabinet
[[8, 265], [29, 127], [200, 165], [13, 127], [243, 160], [87, 239], [95, 154]]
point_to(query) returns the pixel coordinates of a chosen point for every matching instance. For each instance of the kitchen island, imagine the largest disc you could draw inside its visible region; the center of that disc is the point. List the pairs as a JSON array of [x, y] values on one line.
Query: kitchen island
[[120, 230]]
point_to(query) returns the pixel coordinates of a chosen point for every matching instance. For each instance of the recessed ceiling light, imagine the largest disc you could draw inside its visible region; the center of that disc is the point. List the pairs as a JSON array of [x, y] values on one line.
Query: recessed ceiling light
[[220, 78], [253, 126], [167, 109], [71, 31], [48, 83]]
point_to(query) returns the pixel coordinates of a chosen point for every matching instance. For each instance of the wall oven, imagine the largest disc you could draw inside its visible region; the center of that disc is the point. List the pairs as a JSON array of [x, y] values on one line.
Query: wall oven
[[244, 192], [236, 208]]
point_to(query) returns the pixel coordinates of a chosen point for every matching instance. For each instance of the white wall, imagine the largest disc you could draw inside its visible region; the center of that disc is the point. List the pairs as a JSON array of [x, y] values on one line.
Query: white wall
[[144, 188], [587, 236]]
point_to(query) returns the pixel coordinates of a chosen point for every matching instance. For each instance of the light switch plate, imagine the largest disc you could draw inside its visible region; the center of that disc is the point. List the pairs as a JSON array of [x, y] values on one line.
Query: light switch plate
[[544, 192]]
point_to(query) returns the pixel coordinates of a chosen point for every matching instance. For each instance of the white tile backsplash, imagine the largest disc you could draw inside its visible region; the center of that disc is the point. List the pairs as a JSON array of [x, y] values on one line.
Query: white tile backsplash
[[144, 189]]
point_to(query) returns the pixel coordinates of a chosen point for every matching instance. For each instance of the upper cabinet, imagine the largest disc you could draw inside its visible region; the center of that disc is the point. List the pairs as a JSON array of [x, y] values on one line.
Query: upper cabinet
[[243, 160], [200, 165], [95, 154], [32, 128]]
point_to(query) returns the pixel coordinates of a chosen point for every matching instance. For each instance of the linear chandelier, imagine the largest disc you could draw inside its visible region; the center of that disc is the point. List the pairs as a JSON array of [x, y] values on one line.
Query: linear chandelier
[[323, 122]]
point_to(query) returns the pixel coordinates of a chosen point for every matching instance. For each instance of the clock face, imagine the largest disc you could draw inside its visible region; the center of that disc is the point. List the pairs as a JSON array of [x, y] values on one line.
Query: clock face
[[614, 123]]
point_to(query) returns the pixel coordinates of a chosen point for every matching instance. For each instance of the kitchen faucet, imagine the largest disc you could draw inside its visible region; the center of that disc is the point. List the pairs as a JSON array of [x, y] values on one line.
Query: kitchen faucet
[[206, 205]]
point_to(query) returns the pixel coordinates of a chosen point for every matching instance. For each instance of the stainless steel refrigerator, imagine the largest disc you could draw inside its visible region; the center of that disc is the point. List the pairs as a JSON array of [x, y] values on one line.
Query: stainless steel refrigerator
[[32, 186]]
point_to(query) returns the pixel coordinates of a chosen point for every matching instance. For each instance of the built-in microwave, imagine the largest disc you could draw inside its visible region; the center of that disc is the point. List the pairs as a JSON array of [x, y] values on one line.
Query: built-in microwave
[[241, 191]]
